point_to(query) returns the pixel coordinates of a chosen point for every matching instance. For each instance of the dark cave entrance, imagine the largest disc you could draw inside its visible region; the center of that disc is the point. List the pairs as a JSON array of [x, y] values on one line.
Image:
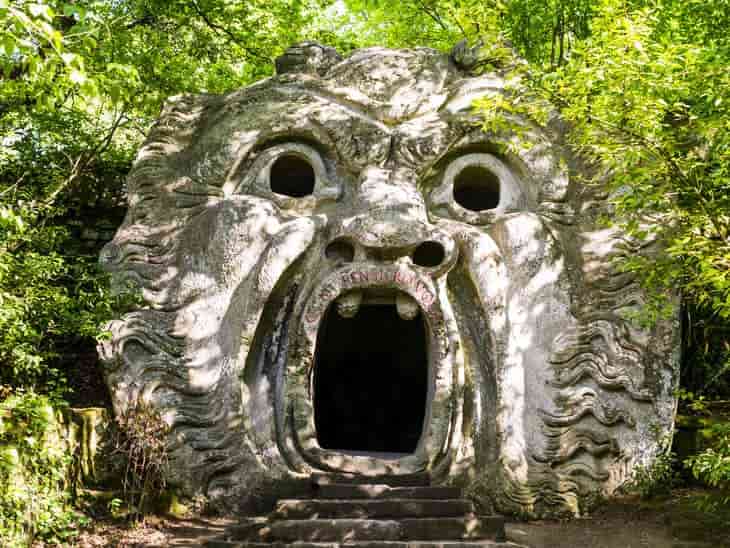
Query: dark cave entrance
[[370, 381]]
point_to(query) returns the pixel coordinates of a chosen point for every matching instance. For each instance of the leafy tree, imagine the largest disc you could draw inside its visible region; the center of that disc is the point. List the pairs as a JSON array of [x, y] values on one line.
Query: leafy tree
[[647, 97], [34, 498], [81, 82]]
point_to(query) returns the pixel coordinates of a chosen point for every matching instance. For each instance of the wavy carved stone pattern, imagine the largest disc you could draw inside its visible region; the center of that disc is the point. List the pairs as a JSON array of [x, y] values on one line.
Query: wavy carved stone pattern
[[602, 351], [601, 348]]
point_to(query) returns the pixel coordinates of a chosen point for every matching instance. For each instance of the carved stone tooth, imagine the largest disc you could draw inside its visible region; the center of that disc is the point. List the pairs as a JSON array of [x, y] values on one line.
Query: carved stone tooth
[[349, 303], [407, 307]]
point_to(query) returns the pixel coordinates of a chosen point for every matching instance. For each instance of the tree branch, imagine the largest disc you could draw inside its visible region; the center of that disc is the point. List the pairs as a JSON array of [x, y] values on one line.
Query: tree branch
[[221, 29], [432, 14], [84, 159]]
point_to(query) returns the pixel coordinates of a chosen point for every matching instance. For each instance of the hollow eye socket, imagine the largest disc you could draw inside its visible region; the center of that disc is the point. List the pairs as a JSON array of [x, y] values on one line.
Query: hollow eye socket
[[429, 254], [476, 188], [291, 175], [340, 251]]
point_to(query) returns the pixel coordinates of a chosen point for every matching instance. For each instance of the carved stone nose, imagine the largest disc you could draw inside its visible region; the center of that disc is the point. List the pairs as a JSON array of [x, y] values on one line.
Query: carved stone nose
[[388, 194], [415, 243], [389, 224]]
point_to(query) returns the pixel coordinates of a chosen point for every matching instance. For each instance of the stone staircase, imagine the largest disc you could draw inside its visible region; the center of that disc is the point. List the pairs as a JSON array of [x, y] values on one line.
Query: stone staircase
[[370, 512]]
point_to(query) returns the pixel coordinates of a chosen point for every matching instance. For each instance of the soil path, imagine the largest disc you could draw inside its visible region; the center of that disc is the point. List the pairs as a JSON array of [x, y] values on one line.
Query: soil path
[[669, 522]]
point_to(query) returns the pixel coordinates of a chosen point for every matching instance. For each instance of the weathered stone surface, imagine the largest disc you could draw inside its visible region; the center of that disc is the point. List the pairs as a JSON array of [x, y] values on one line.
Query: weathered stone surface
[[389, 508], [367, 522], [85, 431], [469, 527], [338, 186], [406, 480], [366, 544], [338, 530], [375, 491]]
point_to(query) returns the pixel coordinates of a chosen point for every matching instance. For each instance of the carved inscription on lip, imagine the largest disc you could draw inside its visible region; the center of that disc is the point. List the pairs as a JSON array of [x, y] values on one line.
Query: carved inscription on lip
[[408, 282]]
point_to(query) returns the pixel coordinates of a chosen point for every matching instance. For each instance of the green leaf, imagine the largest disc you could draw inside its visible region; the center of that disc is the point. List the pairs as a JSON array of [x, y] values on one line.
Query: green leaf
[[77, 77], [41, 10]]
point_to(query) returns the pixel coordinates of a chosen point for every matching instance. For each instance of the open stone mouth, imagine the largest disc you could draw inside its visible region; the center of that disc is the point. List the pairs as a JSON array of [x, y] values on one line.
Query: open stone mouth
[[371, 372]]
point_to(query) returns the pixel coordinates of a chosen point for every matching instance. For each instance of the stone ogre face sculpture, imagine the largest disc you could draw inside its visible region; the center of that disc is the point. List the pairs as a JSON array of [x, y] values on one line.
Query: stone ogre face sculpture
[[342, 272]]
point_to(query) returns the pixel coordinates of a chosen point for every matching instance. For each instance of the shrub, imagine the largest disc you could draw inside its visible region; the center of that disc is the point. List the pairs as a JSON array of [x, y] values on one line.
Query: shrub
[[658, 477], [712, 465], [140, 440], [35, 500]]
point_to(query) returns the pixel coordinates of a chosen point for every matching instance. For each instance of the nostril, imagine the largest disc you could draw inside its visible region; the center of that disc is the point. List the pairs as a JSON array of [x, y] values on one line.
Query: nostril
[[340, 250], [429, 254]]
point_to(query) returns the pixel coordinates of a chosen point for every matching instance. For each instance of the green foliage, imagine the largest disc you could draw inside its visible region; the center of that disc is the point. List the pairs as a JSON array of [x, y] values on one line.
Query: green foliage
[[44, 295], [34, 499], [712, 466], [80, 82], [695, 404], [656, 479], [376, 23], [647, 96], [544, 31]]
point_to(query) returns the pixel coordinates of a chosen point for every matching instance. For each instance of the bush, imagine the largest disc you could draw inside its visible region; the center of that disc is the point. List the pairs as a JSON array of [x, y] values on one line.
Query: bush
[[35, 499], [712, 465], [141, 441]]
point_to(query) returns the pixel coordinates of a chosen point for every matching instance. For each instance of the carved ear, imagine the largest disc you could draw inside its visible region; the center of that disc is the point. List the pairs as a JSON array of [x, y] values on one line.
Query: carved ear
[[308, 58], [470, 57], [467, 56]]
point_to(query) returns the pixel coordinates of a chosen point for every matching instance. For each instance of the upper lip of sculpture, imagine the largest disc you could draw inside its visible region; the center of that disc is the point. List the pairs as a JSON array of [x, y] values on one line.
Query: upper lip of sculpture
[[348, 303], [355, 282]]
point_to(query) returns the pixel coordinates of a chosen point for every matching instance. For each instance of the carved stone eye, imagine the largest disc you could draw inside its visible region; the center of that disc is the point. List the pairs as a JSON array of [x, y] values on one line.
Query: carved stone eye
[[429, 254], [476, 188], [291, 175]]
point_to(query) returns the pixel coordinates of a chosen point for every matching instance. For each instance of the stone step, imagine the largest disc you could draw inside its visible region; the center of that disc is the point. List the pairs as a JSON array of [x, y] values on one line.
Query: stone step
[[406, 480], [366, 544], [254, 529], [349, 491], [461, 528], [372, 508], [335, 530], [345, 530]]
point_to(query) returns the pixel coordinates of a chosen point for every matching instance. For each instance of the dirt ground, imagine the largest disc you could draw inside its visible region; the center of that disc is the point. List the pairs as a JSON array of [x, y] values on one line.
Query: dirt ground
[[671, 521], [156, 532]]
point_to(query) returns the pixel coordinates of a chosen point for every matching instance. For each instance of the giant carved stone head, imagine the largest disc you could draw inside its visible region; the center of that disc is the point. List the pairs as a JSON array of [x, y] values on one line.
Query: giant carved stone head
[[341, 271]]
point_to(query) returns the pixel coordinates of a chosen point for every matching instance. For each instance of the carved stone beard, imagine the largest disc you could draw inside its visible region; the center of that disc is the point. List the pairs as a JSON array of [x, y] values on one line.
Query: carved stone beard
[[268, 227]]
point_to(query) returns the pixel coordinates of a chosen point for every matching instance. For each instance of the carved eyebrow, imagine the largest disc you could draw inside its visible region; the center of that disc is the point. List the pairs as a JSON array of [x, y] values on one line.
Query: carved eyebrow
[[425, 161], [461, 98], [313, 134], [356, 110]]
